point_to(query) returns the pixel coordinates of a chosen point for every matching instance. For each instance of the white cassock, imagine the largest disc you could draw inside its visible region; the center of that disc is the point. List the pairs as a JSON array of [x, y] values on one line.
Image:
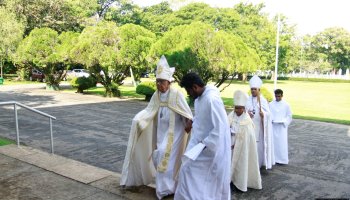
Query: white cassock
[[245, 167], [281, 118], [156, 143], [208, 176], [165, 183], [263, 131]]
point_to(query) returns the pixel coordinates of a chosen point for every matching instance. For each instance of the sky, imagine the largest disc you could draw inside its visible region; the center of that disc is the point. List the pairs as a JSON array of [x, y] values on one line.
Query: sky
[[310, 16]]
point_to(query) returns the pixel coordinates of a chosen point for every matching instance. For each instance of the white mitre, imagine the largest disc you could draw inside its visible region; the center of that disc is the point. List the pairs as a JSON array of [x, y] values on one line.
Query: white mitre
[[255, 82], [164, 71], [240, 98]]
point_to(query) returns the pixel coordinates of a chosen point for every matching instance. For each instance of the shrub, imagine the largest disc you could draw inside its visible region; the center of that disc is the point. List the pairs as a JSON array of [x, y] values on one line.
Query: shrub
[[146, 88], [83, 83], [266, 93]]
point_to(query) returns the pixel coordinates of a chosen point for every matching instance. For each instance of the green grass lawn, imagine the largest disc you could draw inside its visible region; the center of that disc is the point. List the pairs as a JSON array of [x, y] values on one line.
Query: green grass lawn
[[4, 141], [126, 92], [321, 101], [13, 82]]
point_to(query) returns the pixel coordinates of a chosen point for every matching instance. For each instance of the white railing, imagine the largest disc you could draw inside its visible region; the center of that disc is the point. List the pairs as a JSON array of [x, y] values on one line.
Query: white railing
[[15, 104]]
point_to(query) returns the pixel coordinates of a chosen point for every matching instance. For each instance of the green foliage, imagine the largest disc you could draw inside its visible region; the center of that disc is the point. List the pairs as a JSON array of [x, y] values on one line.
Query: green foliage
[[135, 45], [265, 93], [38, 50], [59, 15], [11, 32], [214, 55], [335, 44], [257, 31], [98, 49], [147, 89], [83, 83], [124, 12], [66, 42]]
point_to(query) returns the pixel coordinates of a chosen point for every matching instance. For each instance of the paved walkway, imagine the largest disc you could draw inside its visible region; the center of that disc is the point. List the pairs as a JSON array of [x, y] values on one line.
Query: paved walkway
[[28, 173], [94, 130]]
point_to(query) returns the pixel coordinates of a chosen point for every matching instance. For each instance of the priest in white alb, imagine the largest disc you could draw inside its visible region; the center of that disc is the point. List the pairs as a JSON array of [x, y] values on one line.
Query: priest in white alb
[[158, 137], [258, 109], [245, 167], [205, 172], [281, 118]]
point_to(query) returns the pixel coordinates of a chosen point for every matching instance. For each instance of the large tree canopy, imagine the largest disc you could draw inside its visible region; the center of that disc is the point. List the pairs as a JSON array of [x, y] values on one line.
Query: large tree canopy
[[135, 44], [59, 15], [38, 50], [214, 55], [98, 49], [335, 44]]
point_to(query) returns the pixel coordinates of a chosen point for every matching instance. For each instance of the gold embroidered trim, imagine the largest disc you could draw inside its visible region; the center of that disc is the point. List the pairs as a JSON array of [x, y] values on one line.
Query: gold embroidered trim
[[164, 163]]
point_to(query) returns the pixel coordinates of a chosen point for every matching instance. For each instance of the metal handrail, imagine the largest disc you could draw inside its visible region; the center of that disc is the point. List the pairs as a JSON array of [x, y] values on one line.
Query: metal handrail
[[15, 104]]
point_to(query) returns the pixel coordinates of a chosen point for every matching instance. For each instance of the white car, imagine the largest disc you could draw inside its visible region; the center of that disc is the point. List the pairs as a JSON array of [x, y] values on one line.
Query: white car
[[78, 73]]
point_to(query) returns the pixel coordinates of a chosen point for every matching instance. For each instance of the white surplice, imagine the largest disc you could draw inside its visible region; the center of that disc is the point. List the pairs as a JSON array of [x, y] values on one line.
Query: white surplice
[[263, 131], [245, 167], [208, 176], [281, 118]]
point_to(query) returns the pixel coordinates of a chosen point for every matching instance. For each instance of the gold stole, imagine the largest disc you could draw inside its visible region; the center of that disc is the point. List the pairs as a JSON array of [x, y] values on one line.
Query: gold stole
[[164, 163]]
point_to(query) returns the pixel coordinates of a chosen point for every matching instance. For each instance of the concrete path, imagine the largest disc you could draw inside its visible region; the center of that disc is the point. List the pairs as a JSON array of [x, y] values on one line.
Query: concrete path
[[28, 173], [94, 130]]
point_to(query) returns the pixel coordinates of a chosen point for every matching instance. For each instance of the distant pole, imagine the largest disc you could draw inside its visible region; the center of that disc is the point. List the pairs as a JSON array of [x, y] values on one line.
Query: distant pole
[[277, 43], [133, 78]]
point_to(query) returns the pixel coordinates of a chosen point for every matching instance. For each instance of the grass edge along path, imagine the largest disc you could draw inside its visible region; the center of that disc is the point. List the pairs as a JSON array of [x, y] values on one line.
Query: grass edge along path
[[4, 141], [320, 119]]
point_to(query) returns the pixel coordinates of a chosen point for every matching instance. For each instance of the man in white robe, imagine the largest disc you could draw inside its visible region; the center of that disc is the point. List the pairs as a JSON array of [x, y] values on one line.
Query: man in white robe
[[245, 167], [208, 175], [258, 109], [157, 138], [281, 118]]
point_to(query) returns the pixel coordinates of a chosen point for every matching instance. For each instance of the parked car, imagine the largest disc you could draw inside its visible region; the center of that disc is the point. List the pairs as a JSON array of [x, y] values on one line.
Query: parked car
[[145, 75], [37, 75], [77, 73]]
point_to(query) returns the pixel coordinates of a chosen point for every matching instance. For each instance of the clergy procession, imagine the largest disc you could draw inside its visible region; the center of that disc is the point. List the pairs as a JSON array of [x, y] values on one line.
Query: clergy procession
[[208, 154]]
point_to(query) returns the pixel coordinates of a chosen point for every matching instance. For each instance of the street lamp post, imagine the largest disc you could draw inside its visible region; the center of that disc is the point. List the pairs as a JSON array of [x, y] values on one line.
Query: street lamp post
[[277, 43]]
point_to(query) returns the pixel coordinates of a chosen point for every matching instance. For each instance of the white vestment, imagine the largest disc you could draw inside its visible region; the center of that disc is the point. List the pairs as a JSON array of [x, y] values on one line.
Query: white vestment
[[165, 183], [156, 143], [208, 176], [281, 118], [245, 167], [263, 131]]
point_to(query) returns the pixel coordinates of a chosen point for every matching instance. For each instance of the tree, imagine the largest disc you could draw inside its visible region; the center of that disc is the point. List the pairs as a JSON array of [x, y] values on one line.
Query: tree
[[335, 44], [197, 47], [124, 13], [59, 15], [98, 49], [135, 44], [104, 5], [219, 18], [10, 35], [257, 32], [37, 50]]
